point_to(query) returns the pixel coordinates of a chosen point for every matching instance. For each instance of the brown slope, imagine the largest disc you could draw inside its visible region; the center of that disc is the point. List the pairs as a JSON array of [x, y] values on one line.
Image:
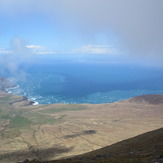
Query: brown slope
[[145, 148], [153, 99], [78, 128]]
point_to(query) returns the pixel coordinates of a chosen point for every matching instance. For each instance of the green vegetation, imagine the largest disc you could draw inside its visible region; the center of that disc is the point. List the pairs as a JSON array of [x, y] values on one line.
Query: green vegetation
[[9, 98], [63, 109], [4, 117], [54, 120], [19, 122], [5, 99], [11, 133], [21, 118], [24, 117], [39, 118]]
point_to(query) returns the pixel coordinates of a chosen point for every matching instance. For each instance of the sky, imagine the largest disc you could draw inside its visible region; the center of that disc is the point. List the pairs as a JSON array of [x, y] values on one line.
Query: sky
[[129, 28]]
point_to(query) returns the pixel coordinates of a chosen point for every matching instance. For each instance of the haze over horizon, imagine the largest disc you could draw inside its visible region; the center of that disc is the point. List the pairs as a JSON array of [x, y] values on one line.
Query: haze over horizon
[[110, 31]]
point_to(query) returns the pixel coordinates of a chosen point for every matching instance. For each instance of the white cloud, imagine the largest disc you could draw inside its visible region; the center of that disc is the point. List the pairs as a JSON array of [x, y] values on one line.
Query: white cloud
[[5, 51], [12, 58], [37, 49], [46, 52], [32, 49], [96, 49], [87, 49]]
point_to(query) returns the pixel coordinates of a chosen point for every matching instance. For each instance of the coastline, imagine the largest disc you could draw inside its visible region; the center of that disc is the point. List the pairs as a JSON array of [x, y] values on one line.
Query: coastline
[[71, 129], [7, 85]]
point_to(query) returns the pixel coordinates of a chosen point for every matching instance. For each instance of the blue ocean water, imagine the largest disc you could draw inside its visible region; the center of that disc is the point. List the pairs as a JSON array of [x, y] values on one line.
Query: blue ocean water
[[48, 81]]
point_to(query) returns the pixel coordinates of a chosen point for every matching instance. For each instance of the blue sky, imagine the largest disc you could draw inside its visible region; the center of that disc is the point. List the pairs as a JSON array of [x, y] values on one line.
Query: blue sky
[[130, 28], [40, 31], [35, 29]]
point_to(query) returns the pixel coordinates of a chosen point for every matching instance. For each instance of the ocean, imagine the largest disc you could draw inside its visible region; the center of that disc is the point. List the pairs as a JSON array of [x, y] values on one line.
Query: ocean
[[49, 81]]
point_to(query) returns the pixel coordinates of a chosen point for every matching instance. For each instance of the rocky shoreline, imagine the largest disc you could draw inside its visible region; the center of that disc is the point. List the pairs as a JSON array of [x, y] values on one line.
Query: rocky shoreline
[[6, 84]]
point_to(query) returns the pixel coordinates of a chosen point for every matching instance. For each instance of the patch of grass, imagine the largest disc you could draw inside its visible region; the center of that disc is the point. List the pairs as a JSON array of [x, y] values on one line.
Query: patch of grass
[[19, 122], [55, 120], [5, 99], [9, 99], [4, 116], [11, 133], [63, 109], [37, 117]]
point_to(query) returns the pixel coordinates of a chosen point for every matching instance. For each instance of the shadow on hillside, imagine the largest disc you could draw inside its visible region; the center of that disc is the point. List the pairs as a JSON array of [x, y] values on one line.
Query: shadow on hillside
[[34, 153], [86, 132]]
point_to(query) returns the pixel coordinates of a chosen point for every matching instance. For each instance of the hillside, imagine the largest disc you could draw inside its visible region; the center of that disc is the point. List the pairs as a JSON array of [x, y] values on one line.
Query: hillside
[[51, 132], [147, 148]]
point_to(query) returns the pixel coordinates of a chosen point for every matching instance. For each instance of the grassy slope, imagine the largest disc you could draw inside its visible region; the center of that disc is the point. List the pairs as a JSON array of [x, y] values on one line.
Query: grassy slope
[[17, 118], [21, 117]]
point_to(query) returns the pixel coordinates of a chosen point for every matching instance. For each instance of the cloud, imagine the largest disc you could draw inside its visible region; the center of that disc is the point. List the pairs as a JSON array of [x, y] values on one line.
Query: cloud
[[5, 51], [27, 50], [42, 50], [138, 23], [15, 7], [36, 47], [11, 60], [96, 49]]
